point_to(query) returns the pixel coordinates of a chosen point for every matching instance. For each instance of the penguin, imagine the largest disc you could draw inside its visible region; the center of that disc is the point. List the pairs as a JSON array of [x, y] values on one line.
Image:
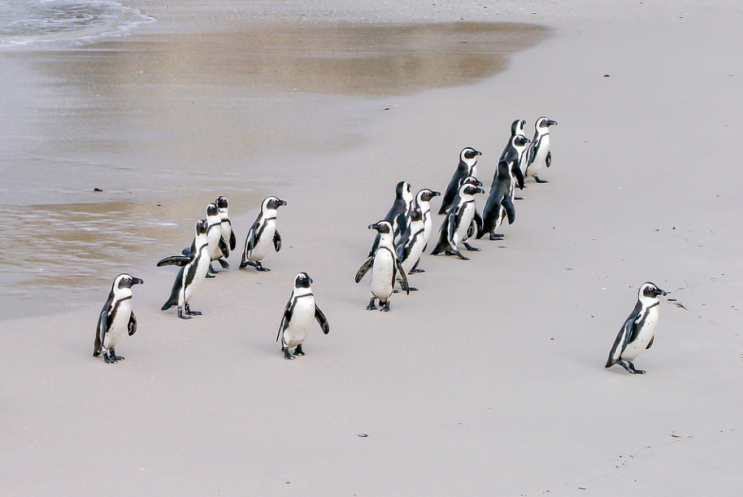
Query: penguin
[[515, 152], [638, 331], [116, 318], [476, 224], [500, 201], [229, 241], [216, 246], [385, 266], [457, 222], [399, 213], [298, 315], [411, 245], [539, 153], [193, 271], [423, 202], [262, 234], [467, 167]]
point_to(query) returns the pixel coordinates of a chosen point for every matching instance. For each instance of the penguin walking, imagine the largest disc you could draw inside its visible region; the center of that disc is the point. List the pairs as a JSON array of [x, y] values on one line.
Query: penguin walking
[[116, 319], [638, 331], [385, 267], [229, 241], [423, 202], [539, 153], [216, 246], [193, 271], [515, 152], [298, 315], [262, 235], [457, 222], [500, 202], [411, 245], [398, 214], [467, 167]]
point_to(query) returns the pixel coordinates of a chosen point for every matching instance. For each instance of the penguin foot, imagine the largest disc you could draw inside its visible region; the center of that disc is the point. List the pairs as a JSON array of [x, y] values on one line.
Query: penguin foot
[[210, 275], [385, 307], [416, 271], [471, 248], [459, 254], [222, 262], [536, 178], [287, 355], [298, 350], [519, 198], [630, 367], [496, 236], [260, 267], [181, 315], [190, 312], [371, 306], [111, 357], [411, 289]]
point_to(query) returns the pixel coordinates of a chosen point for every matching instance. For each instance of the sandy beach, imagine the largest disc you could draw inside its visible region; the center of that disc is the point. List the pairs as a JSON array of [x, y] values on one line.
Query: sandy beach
[[487, 381]]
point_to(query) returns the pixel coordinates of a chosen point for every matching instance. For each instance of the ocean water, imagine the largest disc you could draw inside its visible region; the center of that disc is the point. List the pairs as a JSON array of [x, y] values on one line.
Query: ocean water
[[63, 21]]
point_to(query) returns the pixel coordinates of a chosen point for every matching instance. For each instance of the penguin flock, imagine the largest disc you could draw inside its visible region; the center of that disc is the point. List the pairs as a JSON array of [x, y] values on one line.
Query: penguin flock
[[401, 239]]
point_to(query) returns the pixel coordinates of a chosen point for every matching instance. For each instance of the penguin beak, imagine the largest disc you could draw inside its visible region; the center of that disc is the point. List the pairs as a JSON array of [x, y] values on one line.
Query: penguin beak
[[137, 281], [551, 123], [478, 153], [373, 226], [282, 202], [480, 190], [435, 194], [658, 291]]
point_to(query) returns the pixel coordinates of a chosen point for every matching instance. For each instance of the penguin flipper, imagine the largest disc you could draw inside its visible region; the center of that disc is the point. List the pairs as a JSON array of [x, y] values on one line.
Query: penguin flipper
[[276, 240], [548, 160], [322, 320], [233, 240], [402, 223], [650, 343], [624, 337], [286, 318], [403, 277], [132, 326], [365, 267], [223, 247], [174, 260], [101, 331], [510, 209], [477, 224], [375, 245], [443, 241], [519, 175]]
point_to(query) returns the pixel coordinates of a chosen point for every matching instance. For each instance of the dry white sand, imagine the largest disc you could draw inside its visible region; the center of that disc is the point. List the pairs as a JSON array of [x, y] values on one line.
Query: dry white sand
[[490, 379]]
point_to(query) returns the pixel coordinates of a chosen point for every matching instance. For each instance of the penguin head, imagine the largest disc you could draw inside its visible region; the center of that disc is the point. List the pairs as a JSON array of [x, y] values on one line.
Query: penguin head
[[126, 281], [302, 280], [273, 203], [426, 195], [201, 227], [471, 180], [543, 124], [468, 154], [520, 141], [382, 227], [416, 214], [212, 210], [469, 189], [650, 291], [402, 190], [222, 203], [517, 128]]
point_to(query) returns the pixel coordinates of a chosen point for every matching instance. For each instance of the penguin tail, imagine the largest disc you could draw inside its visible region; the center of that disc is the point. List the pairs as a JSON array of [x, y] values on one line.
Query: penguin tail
[[96, 352]]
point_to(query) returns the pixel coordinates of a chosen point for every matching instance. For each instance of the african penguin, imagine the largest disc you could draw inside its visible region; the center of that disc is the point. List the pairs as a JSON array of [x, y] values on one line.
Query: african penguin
[[229, 241], [193, 271], [467, 167], [457, 222], [411, 245], [262, 235], [423, 202], [398, 213], [216, 246], [298, 315], [116, 319], [539, 154], [500, 201], [638, 331], [385, 268]]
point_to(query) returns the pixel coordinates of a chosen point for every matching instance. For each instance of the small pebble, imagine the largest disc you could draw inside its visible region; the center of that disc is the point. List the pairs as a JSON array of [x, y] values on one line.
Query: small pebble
[[363, 435]]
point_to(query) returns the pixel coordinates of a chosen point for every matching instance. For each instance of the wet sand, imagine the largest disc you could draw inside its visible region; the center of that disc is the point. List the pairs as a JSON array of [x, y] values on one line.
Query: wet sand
[[490, 379]]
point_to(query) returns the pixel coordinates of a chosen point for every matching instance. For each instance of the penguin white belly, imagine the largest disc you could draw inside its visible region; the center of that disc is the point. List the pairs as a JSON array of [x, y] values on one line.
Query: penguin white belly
[[426, 227], [382, 274], [302, 317], [643, 339], [541, 158], [120, 325], [264, 244], [415, 253], [202, 266], [467, 217]]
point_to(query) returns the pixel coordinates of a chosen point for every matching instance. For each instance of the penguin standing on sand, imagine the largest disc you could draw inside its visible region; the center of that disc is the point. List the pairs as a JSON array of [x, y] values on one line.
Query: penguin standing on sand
[[399, 213], [500, 202], [467, 167], [262, 235], [193, 271], [411, 245], [457, 222], [423, 202], [539, 153], [385, 268], [515, 153], [216, 246], [116, 319], [298, 315], [228, 236], [638, 331]]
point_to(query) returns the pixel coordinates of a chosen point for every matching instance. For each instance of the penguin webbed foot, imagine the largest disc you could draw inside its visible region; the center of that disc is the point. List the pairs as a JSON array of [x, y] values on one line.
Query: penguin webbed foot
[[181, 315], [371, 306], [259, 267], [298, 351], [496, 236], [111, 357], [536, 178], [222, 262], [192, 313], [630, 367], [287, 355], [385, 307], [471, 248], [458, 254], [415, 270]]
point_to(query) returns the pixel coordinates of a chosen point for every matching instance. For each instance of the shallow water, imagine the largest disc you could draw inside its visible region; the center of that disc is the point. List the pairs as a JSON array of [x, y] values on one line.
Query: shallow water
[[163, 124]]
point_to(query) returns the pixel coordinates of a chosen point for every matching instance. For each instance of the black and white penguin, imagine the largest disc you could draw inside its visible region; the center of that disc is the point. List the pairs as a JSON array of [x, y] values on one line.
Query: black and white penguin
[[638, 331], [298, 315], [411, 245], [399, 212], [385, 268], [515, 152], [539, 153], [457, 222], [517, 129], [500, 202], [216, 246], [467, 167], [193, 271], [116, 319], [229, 242], [423, 202], [262, 235]]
